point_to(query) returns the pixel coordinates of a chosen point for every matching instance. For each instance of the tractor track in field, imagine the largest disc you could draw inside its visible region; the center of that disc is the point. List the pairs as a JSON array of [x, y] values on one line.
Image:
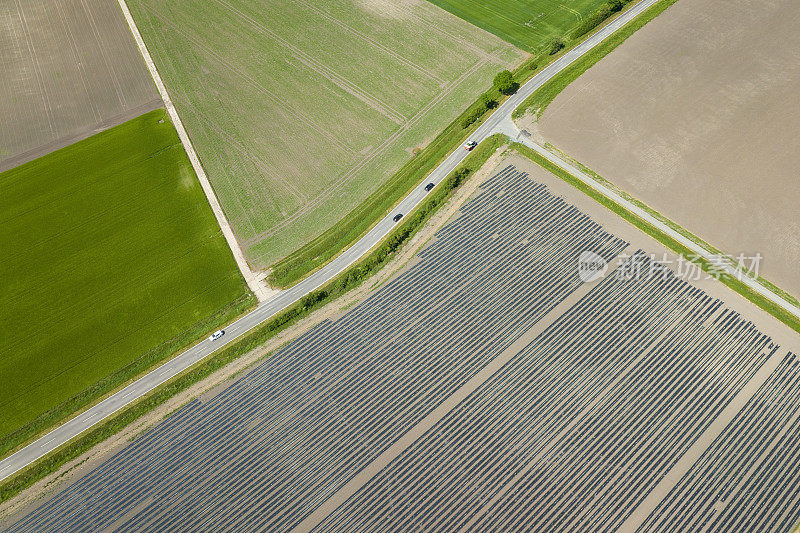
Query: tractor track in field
[[380, 149]]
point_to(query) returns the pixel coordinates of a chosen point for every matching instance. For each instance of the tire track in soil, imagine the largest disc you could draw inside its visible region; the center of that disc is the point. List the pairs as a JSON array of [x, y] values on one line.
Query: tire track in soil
[[272, 96], [386, 144], [323, 70], [374, 43], [257, 161]]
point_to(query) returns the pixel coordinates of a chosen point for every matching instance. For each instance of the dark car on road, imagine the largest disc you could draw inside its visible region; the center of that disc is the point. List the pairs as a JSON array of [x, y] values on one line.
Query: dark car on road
[[397, 217], [429, 186]]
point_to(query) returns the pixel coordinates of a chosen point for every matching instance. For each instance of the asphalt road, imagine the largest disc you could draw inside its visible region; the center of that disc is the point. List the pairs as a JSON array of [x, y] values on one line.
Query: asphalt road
[[499, 122], [271, 446]]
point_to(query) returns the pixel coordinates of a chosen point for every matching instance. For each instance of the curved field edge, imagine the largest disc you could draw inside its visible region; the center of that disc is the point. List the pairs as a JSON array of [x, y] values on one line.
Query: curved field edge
[[537, 102], [127, 264], [346, 281], [733, 283]]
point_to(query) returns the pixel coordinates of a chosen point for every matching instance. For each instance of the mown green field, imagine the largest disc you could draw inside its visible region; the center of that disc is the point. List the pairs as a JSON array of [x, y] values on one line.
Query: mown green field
[[300, 110], [112, 259], [528, 24]]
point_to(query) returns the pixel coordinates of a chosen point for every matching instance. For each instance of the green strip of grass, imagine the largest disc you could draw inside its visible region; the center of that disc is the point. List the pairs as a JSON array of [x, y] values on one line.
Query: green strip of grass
[[346, 281], [675, 226], [598, 17], [98, 390], [309, 258], [738, 286], [352, 227], [115, 263], [539, 100]]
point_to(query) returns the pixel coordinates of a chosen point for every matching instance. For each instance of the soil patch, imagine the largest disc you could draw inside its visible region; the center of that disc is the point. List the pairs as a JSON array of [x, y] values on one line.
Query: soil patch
[[696, 114]]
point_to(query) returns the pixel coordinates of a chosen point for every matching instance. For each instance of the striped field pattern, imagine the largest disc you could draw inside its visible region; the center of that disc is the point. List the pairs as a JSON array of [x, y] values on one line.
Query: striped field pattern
[[588, 411]]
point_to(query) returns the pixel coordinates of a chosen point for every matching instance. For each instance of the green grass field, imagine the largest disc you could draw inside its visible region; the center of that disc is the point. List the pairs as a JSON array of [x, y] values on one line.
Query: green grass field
[[113, 259], [528, 24], [300, 110]]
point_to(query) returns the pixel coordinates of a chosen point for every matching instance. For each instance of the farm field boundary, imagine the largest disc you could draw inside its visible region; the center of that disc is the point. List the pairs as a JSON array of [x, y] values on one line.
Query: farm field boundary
[[70, 70], [536, 103], [312, 256], [658, 311], [529, 24], [125, 267], [289, 109], [253, 280], [351, 278], [704, 132], [672, 224], [790, 319]]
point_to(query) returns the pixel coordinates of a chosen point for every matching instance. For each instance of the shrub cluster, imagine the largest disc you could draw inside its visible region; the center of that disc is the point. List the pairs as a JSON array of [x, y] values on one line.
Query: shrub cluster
[[487, 101], [555, 46], [597, 18], [504, 82], [475, 113]]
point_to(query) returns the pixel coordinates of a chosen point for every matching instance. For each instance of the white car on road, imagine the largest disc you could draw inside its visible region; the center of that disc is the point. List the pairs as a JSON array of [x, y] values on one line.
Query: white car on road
[[216, 335]]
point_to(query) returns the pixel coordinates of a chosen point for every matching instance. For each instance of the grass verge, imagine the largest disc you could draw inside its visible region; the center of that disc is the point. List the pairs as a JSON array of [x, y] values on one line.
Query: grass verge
[[346, 281], [677, 227], [354, 225], [98, 390], [309, 258], [735, 284], [539, 100]]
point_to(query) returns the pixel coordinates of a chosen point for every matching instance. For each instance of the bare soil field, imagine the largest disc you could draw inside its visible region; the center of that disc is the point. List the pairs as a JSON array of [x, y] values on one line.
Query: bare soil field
[[70, 69], [300, 110], [697, 115]]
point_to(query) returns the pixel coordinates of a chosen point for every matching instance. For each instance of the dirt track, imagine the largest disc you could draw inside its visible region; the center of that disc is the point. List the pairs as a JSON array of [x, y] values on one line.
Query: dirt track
[[696, 114]]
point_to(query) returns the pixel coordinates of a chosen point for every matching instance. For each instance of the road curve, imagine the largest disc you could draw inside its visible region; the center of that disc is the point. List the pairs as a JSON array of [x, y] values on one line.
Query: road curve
[[498, 122]]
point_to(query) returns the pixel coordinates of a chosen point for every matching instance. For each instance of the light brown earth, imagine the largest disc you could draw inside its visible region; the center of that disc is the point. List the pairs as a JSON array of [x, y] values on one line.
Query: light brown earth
[[697, 115], [69, 69]]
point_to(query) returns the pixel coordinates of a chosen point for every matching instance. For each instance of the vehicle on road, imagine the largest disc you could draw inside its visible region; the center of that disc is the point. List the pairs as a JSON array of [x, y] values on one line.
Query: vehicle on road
[[397, 217], [428, 187], [216, 335], [469, 145]]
